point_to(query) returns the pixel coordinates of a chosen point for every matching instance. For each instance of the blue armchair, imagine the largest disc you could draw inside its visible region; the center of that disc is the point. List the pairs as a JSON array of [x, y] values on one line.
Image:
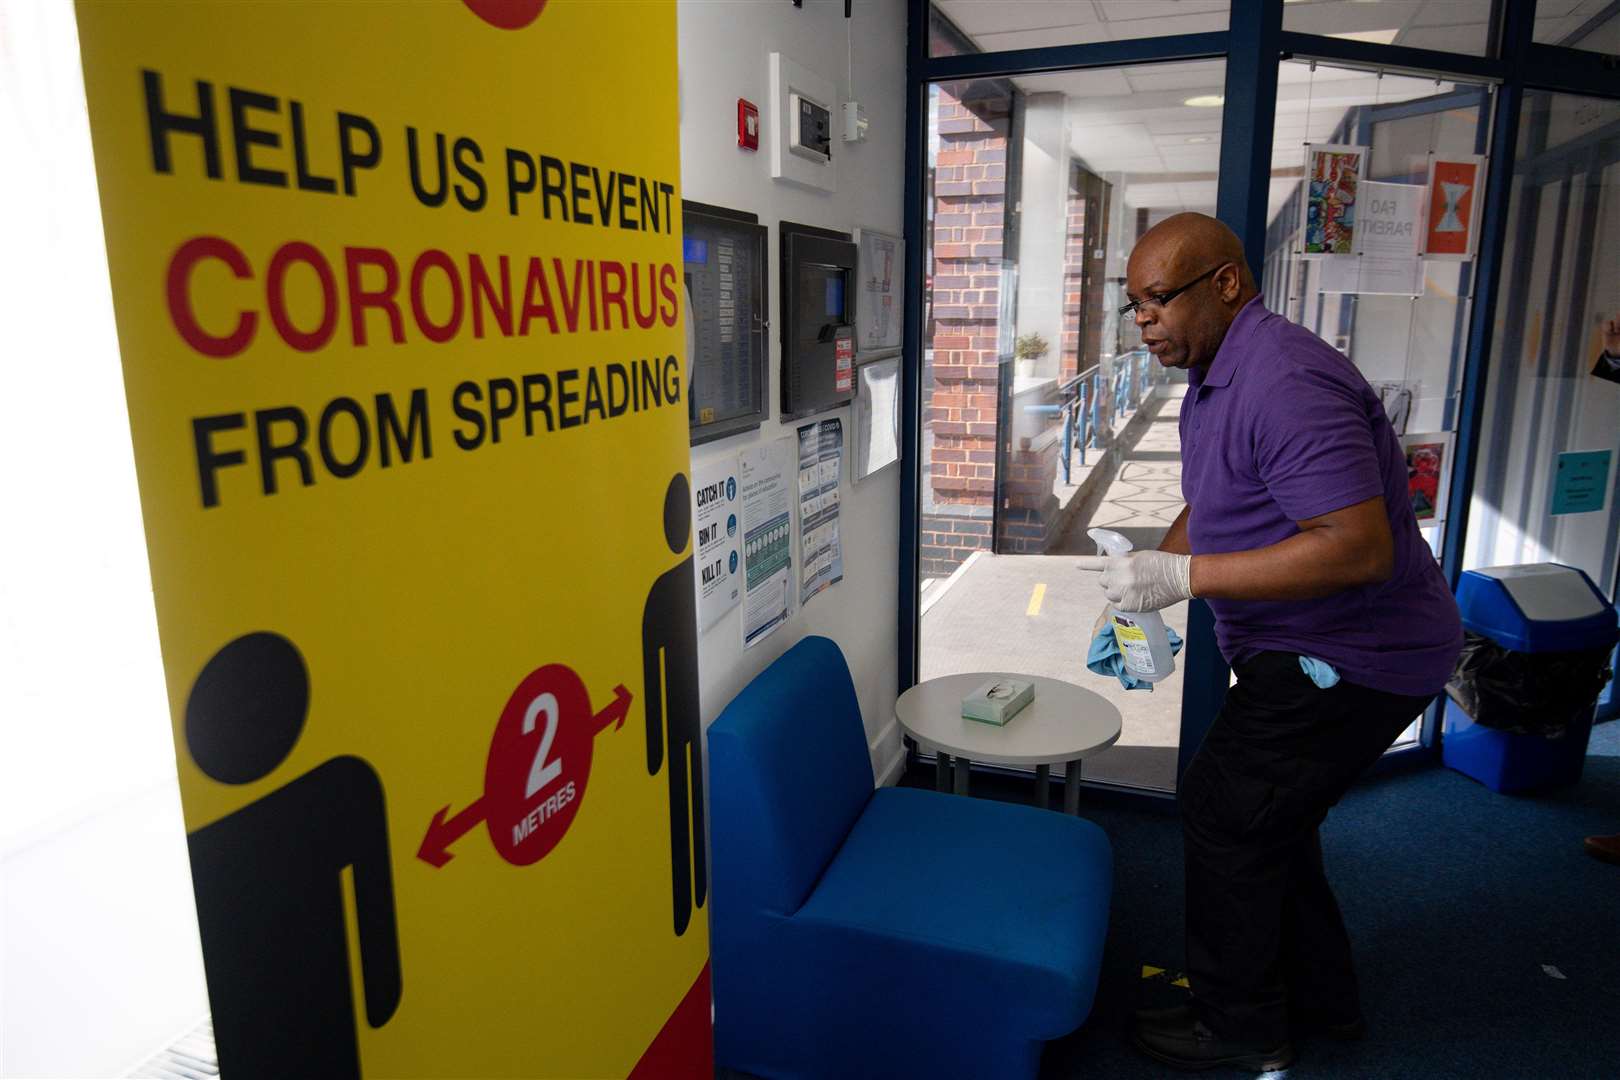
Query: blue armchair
[[895, 933]]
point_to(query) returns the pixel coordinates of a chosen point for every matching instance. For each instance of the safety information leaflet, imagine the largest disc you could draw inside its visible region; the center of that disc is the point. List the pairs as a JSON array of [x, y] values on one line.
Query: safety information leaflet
[[821, 457]]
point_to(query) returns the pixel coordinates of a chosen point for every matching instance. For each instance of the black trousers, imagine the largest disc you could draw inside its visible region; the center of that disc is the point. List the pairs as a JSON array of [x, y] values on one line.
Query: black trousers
[[1264, 934]]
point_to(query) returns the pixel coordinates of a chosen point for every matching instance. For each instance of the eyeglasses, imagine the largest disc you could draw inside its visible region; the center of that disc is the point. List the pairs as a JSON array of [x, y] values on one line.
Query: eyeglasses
[[1158, 300]]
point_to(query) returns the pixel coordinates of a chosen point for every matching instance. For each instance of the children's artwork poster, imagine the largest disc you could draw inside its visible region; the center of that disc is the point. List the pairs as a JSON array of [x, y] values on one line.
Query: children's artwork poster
[[767, 524], [1452, 207], [1332, 192], [1427, 461], [821, 468], [406, 391], [717, 516]]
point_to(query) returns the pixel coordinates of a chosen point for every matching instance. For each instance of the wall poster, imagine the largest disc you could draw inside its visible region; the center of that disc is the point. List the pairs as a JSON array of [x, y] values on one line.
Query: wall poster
[[1332, 181], [1371, 275], [405, 381], [880, 266], [717, 520], [1581, 482], [875, 419], [1454, 200], [1390, 216], [1428, 474], [767, 509], [821, 470]]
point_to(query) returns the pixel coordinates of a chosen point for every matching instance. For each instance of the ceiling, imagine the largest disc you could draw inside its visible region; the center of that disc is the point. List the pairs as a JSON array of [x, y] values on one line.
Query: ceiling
[[1134, 120], [1443, 25], [1023, 24]]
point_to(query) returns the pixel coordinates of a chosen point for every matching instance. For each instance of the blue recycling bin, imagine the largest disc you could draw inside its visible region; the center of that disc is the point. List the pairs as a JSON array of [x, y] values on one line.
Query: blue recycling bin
[[1537, 608], [1608, 703]]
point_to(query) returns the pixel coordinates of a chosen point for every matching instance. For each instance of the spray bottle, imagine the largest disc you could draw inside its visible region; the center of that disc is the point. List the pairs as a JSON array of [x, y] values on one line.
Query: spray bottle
[[1142, 639]]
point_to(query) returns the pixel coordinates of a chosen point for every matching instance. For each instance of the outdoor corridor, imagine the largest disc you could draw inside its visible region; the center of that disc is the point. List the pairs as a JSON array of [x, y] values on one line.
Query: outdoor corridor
[[1032, 613]]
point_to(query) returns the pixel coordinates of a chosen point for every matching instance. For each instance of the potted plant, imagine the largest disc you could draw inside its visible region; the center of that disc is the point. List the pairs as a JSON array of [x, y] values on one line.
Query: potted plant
[[1028, 349]]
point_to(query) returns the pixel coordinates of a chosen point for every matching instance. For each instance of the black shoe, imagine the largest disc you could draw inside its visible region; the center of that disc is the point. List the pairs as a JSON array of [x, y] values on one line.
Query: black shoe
[[1301, 1022], [1173, 1014], [1178, 1038], [1336, 1028]]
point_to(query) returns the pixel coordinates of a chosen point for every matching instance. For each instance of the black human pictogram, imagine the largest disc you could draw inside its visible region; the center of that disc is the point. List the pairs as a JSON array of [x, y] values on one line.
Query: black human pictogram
[[674, 723], [268, 877]]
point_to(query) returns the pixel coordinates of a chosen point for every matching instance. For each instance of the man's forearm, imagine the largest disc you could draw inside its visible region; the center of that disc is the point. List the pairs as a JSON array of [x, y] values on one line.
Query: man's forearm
[[1307, 566], [1175, 541]]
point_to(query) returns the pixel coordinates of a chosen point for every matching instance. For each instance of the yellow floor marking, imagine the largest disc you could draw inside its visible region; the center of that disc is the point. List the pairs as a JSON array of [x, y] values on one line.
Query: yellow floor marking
[[1174, 978], [1035, 599]]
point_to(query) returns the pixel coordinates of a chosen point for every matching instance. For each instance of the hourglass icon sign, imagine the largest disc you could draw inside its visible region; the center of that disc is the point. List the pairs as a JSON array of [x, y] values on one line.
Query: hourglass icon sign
[[1453, 195]]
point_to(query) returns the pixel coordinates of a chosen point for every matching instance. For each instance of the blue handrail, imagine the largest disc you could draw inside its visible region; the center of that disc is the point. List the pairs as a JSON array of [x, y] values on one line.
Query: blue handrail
[[1086, 396], [1079, 420]]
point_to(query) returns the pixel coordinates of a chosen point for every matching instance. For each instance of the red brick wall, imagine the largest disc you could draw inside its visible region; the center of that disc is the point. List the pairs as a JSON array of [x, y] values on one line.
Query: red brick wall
[[970, 182], [947, 541]]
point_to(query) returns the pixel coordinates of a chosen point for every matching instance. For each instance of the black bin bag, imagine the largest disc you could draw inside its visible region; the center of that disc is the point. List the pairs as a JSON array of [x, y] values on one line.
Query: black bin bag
[[1527, 693]]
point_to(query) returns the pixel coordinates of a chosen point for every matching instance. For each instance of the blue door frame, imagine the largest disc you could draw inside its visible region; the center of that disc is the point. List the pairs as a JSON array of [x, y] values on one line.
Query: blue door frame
[[1252, 47]]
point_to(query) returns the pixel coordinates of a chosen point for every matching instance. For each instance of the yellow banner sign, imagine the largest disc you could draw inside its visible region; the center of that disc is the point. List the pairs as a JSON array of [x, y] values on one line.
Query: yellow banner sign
[[396, 289]]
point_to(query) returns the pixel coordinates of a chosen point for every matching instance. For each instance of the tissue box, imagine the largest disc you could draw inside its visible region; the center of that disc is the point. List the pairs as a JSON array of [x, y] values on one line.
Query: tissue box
[[998, 700]]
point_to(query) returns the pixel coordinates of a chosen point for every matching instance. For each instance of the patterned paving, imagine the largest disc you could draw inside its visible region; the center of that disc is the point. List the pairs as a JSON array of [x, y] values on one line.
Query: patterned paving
[[989, 617]]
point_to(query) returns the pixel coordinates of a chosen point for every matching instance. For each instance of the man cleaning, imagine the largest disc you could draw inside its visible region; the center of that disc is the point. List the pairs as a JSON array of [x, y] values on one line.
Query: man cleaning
[[1331, 610]]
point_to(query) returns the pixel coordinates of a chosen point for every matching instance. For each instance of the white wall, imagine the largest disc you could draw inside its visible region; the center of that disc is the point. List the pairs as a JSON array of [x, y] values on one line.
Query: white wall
[[725, 50], [99, 964]]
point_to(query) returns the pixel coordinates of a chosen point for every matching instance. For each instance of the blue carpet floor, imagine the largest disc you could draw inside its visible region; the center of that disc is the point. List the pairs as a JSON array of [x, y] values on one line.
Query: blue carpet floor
[[1488, 942]]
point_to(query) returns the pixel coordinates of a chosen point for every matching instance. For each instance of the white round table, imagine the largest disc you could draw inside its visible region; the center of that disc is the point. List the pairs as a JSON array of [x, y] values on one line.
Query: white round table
[[1064, 724]]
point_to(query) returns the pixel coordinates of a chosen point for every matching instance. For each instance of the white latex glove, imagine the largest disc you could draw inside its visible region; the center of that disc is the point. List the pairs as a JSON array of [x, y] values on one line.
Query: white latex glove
[[1143, 580]]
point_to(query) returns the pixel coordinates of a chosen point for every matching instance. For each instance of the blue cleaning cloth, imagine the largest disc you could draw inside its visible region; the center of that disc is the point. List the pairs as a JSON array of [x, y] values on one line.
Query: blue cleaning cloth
[[1321, 674], [1105, 659]]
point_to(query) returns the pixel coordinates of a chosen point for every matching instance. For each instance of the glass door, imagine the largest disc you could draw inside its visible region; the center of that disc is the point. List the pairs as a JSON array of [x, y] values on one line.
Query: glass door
[[1042, 414]]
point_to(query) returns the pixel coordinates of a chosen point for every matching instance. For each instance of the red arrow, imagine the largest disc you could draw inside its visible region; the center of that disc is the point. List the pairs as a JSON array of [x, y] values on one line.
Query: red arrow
[[615, 713], [435, 849]]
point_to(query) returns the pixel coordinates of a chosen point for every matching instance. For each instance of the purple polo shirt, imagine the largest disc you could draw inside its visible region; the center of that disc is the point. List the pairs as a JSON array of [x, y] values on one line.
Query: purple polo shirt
[[1281, 428]]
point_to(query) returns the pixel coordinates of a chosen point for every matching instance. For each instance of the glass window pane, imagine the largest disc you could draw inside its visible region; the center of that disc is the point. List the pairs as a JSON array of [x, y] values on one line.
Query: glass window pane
[[1593, 25], [1034, 389], [1400, 313], [1459, 26], [966, 26], [1410, 346], [1560, 284]]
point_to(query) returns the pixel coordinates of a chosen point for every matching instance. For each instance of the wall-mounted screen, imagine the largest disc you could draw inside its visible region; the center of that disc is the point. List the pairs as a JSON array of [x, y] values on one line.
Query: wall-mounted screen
[[821, 299], [818, 309], [724, 254]]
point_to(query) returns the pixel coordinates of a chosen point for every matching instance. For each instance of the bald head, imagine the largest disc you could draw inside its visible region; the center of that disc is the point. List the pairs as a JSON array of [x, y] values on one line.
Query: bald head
[[1190, 243], [1190, 275]]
